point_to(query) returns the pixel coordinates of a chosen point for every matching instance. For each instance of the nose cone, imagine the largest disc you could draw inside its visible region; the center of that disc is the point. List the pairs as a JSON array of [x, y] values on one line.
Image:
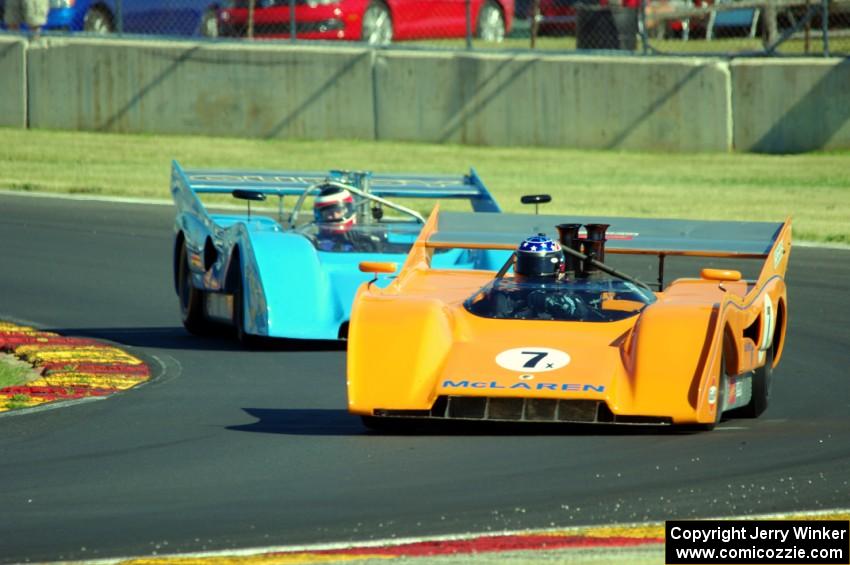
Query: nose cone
[[535, 359]]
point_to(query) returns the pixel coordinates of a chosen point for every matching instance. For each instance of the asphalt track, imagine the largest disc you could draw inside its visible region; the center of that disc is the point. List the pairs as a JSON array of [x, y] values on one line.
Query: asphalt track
[[228, 448]]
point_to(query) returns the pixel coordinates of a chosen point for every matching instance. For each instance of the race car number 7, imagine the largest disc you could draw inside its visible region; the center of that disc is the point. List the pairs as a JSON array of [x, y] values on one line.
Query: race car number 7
[[536, 357], [532, 359]]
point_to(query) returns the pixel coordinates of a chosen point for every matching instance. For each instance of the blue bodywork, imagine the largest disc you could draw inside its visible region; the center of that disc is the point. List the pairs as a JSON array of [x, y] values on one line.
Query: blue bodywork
[[160, 17], [290, 288]]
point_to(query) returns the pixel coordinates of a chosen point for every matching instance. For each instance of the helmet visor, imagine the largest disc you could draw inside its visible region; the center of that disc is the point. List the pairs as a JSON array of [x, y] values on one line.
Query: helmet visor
[[334, 213]]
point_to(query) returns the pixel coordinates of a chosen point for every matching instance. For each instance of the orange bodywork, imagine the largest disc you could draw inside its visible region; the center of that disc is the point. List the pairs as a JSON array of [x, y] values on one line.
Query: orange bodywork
[[414, 341]]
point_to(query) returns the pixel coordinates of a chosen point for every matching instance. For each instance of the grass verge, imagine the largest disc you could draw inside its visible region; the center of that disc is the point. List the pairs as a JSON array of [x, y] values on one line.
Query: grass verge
[[716, 47], [14, 372], [814, 188]]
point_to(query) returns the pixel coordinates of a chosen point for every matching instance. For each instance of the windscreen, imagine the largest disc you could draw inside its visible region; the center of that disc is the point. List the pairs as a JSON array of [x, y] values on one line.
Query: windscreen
[[578, 300], [371, 238]]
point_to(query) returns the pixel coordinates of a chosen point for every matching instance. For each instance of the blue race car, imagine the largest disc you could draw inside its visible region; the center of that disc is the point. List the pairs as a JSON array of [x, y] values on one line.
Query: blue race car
[[197, 18], [292, 272]]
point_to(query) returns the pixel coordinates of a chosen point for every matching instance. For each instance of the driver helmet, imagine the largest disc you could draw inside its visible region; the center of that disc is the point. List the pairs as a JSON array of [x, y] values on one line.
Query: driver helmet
[[539, 257], [333, 210]]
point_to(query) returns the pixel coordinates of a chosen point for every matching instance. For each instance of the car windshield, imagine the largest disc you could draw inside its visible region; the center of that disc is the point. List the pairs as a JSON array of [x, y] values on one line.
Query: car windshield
[[580, 300], [384, 237]]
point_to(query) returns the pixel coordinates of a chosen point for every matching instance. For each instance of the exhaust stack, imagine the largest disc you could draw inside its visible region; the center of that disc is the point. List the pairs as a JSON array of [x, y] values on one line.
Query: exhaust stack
[[568, 236], [594, 246]]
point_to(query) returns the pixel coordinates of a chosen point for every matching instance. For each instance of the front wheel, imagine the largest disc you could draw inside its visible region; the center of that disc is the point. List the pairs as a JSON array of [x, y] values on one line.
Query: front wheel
[[491, 23], [191, 298], [720, 398], [761, 389], [385, 425], [377, 25], [247, 340]]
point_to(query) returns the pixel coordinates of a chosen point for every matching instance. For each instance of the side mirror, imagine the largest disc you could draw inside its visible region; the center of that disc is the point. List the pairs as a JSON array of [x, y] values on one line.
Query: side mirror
[[250, 195], [720, 275], [378, 267], [536, 199]]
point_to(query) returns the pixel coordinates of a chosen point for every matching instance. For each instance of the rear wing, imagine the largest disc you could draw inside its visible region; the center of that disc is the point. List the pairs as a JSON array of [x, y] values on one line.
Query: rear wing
[[186, 184], [698, 238], [637, 236]]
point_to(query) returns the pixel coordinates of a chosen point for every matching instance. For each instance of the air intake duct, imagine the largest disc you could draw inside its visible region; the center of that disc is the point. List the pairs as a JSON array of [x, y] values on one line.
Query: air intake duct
[[568, 236], [594, 246]]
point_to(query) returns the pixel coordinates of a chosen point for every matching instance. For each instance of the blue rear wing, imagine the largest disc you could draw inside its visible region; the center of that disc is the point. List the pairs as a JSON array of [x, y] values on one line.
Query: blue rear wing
[[282, 183]]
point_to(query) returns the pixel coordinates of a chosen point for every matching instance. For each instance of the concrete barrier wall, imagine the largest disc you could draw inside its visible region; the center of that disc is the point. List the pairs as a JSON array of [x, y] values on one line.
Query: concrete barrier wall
[[199, 88], [791, 106], [280, 91], [13, 83], [575, 101]]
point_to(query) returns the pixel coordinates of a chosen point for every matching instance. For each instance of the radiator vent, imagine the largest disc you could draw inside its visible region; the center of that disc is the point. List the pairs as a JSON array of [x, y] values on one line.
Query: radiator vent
[[501, 409]]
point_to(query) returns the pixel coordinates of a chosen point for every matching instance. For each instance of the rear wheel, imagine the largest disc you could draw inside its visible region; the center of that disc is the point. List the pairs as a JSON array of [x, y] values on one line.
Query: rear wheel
[[98, 20], [377, 25], [491, 23], [761, 389], [191, 298]]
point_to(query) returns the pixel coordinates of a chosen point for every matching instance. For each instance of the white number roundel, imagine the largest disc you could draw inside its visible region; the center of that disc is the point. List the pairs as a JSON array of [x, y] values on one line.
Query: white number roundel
[[532, 359]]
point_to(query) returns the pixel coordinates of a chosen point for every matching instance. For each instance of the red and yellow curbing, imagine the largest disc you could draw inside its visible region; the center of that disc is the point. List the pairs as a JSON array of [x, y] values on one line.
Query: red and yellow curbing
[[585, 538], [68, 367], [629, 543]]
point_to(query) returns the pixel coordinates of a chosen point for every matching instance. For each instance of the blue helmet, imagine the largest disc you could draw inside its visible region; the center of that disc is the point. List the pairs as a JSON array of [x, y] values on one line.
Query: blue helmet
[[539, 256]]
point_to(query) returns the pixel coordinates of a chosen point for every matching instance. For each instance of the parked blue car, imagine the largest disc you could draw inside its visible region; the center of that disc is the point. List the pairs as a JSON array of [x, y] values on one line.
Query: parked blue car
[[157, 17], [275, 273]]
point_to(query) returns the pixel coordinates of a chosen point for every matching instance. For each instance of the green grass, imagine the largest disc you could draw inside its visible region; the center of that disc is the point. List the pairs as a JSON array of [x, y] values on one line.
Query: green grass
[[720, 47], [13, 373], [813, 188]]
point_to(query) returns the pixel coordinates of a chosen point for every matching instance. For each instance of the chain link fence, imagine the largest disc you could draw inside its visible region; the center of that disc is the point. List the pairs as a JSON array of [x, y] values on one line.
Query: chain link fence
[[716, 27]]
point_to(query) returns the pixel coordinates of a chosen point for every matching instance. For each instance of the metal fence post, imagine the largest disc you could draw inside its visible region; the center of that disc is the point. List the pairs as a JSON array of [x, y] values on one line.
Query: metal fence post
[[119, 15], [469, 24], [292, 28], [251, 18], [535, 22], [824, 16], [807, 30], [644, 38], [771, 24]]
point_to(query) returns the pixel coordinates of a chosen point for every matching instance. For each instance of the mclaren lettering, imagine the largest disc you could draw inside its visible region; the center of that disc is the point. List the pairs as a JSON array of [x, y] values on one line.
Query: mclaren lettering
[[563, 387]]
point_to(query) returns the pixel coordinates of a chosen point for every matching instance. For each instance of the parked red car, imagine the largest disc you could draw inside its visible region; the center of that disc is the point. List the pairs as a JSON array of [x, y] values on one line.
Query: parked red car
[[377, 22]]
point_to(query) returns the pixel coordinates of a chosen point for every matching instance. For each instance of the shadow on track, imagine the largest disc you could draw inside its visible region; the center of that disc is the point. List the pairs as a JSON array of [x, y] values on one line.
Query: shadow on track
[[302, 422], [327, 422], [177, 338]]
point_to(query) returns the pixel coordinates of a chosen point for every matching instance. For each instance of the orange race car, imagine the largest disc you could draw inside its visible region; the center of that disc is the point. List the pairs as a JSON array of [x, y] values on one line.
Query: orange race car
[[557, 335]]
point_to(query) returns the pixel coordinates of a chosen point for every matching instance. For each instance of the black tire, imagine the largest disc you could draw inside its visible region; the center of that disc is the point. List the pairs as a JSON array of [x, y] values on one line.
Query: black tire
[[247, 340], [384, 425], [721, 397], [377, 25], [98, 20], [191, 299], [722, 385], [761, 389]]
